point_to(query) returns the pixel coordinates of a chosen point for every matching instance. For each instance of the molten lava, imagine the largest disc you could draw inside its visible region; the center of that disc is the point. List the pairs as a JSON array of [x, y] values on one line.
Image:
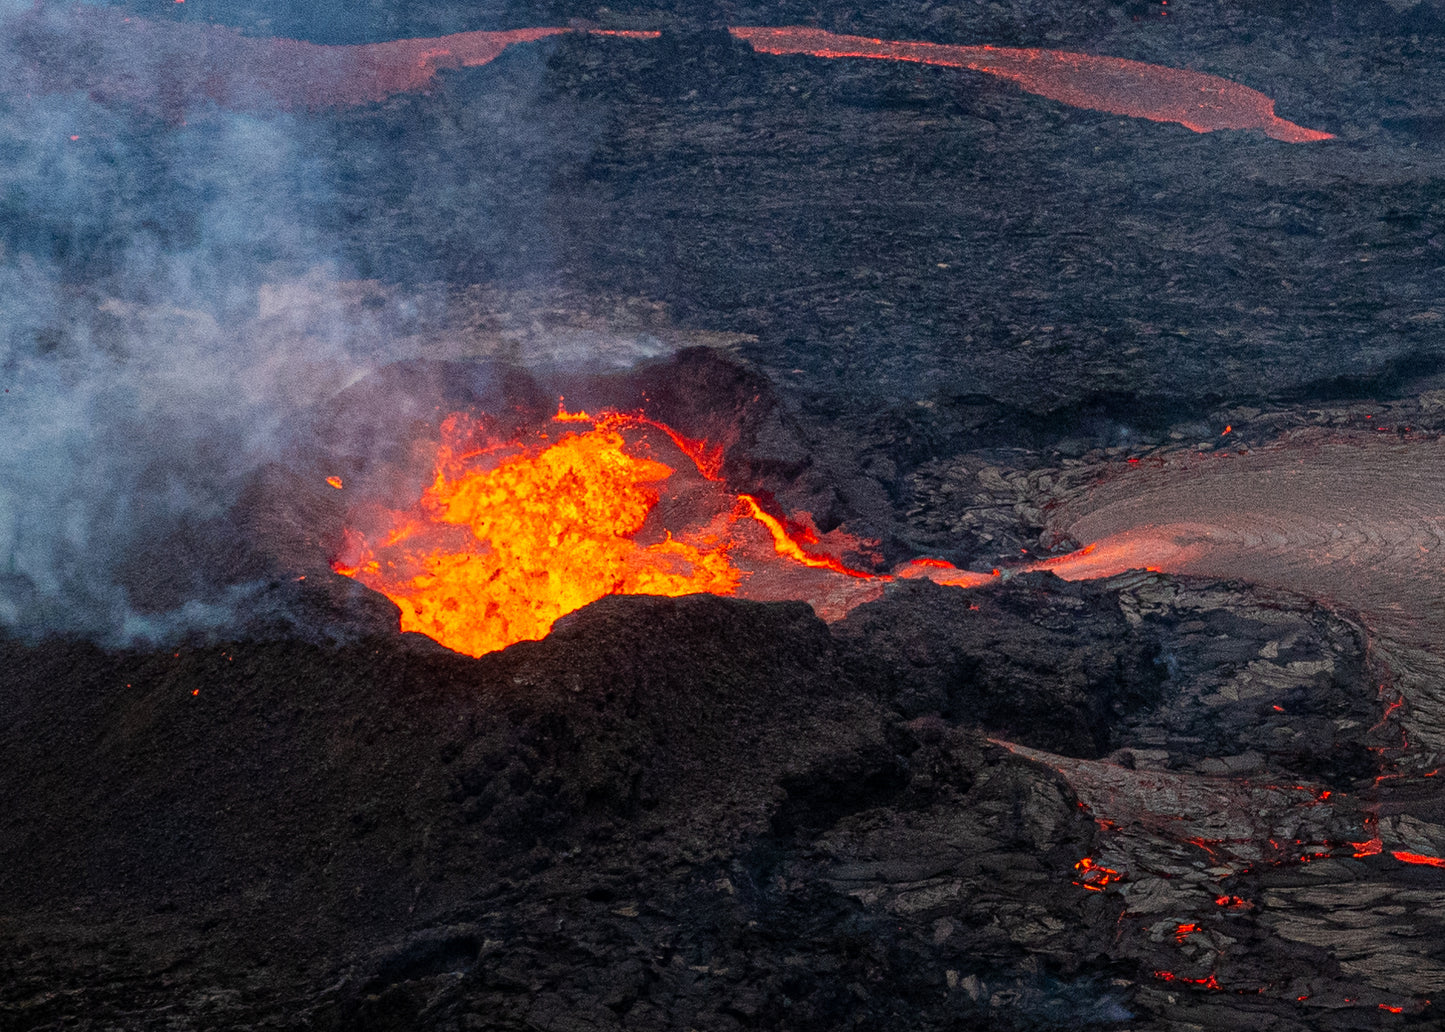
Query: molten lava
[[170, 66], [510, 536], [1093, 875], [1117, 85]]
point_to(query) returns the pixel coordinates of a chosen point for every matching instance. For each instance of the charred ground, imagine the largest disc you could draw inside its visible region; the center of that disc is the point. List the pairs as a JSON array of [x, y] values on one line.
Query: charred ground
[[692, 811]]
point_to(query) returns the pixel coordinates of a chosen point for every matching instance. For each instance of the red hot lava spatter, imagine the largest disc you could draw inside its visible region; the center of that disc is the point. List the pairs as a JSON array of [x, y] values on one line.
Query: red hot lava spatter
[[168, 66], [1238, 826]]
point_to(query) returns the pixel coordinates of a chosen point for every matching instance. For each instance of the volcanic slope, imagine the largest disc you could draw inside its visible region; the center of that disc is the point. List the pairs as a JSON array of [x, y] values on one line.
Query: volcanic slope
[[693, 812], [609, 822]]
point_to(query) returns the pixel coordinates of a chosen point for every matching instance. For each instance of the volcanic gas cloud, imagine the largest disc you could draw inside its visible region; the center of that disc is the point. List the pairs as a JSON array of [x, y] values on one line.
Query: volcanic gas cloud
[[168, 67]]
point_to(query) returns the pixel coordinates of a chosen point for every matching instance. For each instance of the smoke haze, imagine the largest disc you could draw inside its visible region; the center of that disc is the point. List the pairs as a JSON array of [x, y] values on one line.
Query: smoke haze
[[182, 287], [168, 313]]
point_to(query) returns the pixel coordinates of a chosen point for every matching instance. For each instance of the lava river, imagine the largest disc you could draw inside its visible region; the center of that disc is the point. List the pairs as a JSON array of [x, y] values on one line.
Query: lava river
[[1357, 522], [170, 67]]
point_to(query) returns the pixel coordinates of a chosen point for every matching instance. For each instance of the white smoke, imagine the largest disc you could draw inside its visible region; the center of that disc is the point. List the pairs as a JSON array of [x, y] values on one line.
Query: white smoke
[[176, 304], [168, 316], [127, 421]]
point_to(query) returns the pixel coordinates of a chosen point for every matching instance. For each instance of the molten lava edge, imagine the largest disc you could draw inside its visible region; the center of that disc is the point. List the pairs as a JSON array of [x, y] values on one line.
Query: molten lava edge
[[511, 536]]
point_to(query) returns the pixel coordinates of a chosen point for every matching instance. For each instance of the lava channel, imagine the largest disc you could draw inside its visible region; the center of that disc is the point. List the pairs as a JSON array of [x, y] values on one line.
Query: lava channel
[[1356, 521], [169, 66], [1195, 100]]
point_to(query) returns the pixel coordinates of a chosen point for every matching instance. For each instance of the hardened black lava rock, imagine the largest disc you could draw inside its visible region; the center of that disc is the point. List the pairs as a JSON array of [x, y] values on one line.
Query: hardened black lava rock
[[690, 812], [1037, 660], [669, 813], [709, 814]]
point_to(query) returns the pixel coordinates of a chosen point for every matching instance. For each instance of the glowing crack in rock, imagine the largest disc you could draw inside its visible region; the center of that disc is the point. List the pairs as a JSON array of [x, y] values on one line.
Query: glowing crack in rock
[[1235, 824], [168, 66], [1170, 842]]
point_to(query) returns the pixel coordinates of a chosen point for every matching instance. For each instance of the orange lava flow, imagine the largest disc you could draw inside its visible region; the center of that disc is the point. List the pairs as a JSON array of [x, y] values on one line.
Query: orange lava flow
[[940, 571], [509, 537], [1196, 100], [169, 65], [1166, 550], [791, 547]]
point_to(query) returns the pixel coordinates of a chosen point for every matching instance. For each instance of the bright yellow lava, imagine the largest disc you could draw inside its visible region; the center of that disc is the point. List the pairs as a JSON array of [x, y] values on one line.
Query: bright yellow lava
[[551, 528]]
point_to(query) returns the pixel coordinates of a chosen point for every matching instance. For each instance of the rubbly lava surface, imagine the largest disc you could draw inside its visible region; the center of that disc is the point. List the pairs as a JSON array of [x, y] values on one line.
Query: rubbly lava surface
[[1037, 803], [1053, 411]]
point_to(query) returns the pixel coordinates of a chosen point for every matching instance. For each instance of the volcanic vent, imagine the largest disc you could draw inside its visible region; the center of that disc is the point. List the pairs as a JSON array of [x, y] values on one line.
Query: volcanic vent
[[485, 518], [1183, 770]]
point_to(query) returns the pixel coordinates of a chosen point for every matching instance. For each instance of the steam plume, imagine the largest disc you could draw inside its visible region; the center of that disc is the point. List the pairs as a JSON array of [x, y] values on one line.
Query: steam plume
[[165, 322]]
